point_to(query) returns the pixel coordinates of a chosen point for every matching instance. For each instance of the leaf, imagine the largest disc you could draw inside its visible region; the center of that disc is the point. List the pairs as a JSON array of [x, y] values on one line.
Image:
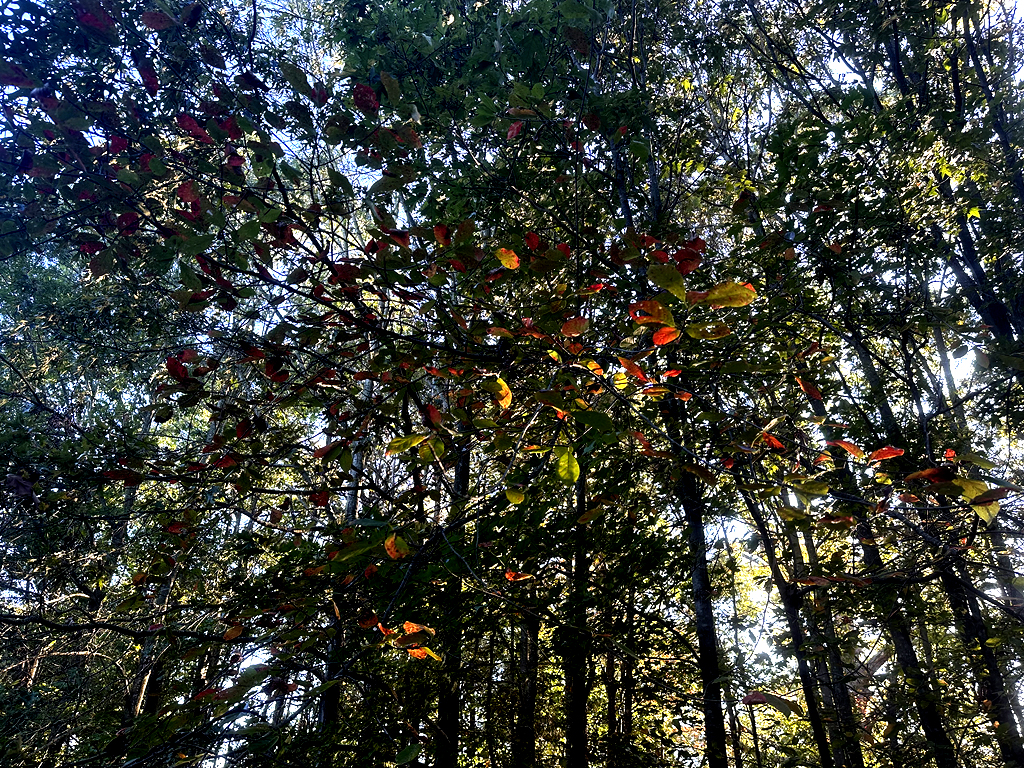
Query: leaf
[[809, 389], [566, 466], [412, 751], [888, 452], [990, 496], [508, 259], [514, 496], [392, 88], [667, 277], [504, 394], [575, 327], [158, 20], [234, 631], [596, 419], [403, 444], [665, 335], [847, 446], [708, 330], [365, 99], [933, 475], [732, 294], [756, 697], [396, 547], [646, 312], [514, 576], [785, 706], [514, 130], [633, 369], [12, 74]]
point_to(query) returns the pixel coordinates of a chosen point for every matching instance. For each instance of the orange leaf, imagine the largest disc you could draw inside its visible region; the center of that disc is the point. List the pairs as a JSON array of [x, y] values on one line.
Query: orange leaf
[[633, 369], [396, 547], [933, 475], [234, 631], [847, 446], [772, 442], [516, 576], [885, 453], [809, 389], [575, 327], [418, 653], [410, 628], [665, 335], [645, 312], [508, 258]]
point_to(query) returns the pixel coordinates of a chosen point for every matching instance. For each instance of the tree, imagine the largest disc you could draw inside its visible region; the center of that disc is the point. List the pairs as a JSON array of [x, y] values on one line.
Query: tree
[[458, 402]]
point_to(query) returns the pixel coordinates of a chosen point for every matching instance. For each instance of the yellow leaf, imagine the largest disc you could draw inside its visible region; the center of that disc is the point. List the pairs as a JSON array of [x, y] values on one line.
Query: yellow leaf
[[508, 258], [515, 497]]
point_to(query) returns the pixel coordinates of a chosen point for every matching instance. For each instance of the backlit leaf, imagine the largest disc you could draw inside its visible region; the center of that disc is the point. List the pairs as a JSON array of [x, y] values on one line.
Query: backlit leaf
[[402, 444], [888, 452], [508, 259], [396, 547]]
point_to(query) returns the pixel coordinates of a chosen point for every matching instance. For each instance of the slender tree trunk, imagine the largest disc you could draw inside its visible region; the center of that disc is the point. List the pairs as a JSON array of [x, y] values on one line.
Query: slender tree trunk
[[577, 655], [991, 683], [449, 702], [524, 739], [704, 611], [791, 609]]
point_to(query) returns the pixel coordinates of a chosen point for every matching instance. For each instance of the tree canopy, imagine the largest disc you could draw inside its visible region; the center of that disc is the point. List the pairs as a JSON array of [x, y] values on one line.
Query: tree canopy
[[541, 384]]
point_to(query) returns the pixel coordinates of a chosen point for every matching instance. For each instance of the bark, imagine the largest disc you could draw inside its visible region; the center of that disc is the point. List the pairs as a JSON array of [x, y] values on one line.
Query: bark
[[449, 702], [791, 610], [576, 654], [970, 622], [524, 738], [704, 610]]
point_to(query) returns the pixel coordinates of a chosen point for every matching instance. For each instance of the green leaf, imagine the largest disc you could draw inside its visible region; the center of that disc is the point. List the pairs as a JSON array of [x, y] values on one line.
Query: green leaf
[[408, 754], [667, 277], [567, 467], [403, 444], [596, 419]]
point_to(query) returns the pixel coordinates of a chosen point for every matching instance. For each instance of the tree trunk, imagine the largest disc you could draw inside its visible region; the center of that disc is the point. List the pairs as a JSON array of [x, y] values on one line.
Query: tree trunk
[[704, 611], [576, 656], [992, 692]]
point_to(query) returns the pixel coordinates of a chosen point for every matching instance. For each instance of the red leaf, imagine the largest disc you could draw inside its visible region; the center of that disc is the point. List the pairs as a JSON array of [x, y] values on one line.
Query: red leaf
[[532, 241], [516, 576], [515, 129], [575, 326], [323, 450], [696, 296], [885, 453], [225, 462], [400, 236], [176, 369], [949, 454], [320, 498], [433, 417], [187, 192], [564, 248], [187, 123], [365, 99], [754, 698], [158, 20], [12, 74], [665, 335], [991, 496], [442, 234], [687, 260], [772, 442]]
